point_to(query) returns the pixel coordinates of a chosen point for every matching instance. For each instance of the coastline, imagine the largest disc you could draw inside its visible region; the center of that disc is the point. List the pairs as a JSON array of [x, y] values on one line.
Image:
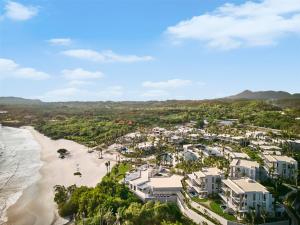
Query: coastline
[[36, 205]]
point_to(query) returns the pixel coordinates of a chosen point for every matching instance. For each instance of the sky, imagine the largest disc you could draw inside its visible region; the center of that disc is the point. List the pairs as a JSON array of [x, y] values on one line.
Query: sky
[[90, 50]]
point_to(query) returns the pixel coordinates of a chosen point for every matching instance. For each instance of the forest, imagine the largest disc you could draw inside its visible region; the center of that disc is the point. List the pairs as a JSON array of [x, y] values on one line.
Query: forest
[[111, 202], [93, 123]]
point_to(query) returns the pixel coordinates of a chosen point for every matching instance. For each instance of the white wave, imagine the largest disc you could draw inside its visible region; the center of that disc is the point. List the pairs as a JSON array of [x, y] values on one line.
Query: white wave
[[19, 165]]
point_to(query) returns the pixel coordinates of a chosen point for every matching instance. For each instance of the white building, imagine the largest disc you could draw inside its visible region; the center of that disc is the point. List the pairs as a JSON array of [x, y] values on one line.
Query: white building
[[282, 166], [211, 151], [243, 194], [175, 139], [206, 181], [154, 184], [236, 155], [158, 130], [269, 148], [194, 137], [244, 168], [146, 146], [256, 134]]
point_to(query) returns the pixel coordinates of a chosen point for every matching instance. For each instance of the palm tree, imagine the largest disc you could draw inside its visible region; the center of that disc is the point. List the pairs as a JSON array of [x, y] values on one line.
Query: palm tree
[[107, 165], [119, 216], [101, 153], [264, 215], [252, 215], [109, 217], [101, 215]]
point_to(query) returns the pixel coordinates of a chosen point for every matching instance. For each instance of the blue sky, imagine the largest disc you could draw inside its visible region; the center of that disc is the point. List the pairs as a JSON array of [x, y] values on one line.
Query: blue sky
[[62, 50]]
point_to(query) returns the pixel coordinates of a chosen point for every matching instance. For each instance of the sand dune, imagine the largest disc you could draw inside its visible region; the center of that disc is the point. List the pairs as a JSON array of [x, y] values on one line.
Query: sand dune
[[36, 205]]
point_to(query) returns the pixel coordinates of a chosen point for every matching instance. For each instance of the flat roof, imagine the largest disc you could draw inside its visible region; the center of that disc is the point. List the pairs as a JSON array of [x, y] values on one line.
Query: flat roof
[[243, 185], [283, 158], [173, 181], [244, 163], [210, 171], [142, 178], [240, 155], [269, 147], [249, 185]]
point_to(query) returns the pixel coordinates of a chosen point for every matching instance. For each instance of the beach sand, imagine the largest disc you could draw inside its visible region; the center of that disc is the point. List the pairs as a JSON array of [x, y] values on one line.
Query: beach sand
[[36, 206]]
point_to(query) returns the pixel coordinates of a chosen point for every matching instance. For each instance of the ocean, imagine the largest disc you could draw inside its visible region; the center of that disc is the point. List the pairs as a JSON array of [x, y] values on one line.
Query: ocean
[[19, 165]]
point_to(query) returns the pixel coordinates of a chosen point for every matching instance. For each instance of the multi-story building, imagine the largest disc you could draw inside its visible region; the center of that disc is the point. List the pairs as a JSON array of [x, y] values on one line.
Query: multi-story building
[[206, 181], [244, 168], [282, 166], [154, 184], [242, 195]]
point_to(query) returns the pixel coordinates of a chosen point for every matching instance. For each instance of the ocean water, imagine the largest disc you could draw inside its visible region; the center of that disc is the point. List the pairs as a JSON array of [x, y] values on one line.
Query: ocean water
[[19, 165]]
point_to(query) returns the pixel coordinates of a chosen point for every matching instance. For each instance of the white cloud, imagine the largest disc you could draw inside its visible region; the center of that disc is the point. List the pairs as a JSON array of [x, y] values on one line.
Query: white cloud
[[10, 69], [81, 74], [60, 41], [249, 24], [104, 56], [17, 11], [78, 94], [174, 83]]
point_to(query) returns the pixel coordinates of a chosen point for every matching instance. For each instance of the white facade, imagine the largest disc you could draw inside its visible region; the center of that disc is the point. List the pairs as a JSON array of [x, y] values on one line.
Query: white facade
[[146, 146], [207, 151], [152, 184], [244, 168], [175, 139], [241, 195], [204, 182], [282, 166]]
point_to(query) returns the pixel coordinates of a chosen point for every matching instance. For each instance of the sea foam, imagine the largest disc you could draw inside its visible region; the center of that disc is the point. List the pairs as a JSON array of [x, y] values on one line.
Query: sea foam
[[19, 165]]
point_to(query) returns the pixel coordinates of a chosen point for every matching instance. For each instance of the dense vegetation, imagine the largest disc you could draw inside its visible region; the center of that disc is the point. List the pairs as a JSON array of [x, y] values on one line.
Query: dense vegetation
[[93, 123], [112, 203]]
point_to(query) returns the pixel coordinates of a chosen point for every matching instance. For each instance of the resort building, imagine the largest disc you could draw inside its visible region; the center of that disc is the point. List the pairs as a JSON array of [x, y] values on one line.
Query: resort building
[[244, 168], [154, 184], [282, 166], [235, 155], [189, 155], [269, 148], [242, 195], [211, 151], [146, 146], [175, 139], [158, 131], [206, 181]]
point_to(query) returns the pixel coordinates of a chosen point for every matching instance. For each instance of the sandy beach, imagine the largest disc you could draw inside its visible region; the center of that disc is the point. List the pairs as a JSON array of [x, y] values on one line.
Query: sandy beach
[[36, 205]]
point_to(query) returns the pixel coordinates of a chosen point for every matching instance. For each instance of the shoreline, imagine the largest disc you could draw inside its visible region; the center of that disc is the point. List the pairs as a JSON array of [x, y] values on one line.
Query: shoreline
[[36, 204]]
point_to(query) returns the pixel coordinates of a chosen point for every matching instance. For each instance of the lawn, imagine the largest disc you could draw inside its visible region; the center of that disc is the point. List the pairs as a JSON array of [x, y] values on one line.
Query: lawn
[[216, 207], [118, 172], [199, 200]]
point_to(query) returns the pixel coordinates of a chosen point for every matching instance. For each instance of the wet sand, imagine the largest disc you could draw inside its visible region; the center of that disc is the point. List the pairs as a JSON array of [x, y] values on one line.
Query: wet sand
[[36, 205]]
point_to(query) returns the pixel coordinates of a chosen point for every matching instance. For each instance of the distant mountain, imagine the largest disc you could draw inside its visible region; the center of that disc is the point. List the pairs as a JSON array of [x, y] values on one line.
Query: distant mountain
[[264, 95], [19, 101]]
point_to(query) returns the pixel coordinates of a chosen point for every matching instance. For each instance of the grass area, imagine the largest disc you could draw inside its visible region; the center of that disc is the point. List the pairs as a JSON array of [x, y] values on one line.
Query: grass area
[[118, 172], [253, 154], [216, 207], [199, 200]]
